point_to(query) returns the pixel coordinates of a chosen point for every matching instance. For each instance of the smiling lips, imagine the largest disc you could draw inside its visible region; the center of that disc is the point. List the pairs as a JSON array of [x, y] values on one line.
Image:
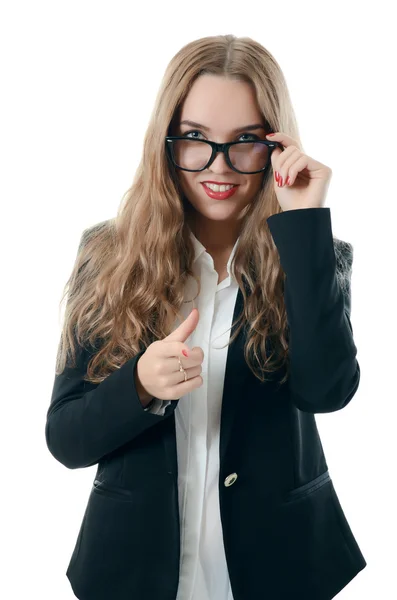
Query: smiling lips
[[220, 183], [219, 195]]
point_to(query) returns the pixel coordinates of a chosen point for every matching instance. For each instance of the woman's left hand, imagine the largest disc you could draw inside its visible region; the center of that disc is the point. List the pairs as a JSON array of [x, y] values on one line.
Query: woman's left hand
[[308, 178]]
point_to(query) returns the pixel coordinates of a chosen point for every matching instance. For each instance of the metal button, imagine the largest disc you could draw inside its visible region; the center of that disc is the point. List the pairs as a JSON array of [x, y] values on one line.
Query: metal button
[[230, 479]]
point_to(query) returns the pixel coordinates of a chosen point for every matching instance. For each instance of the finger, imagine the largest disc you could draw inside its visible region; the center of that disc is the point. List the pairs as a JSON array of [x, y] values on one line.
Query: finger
[[183, 388], [186, 328], [177, 376], [195, 357], [173, 350], [275, 157], [296, 168], [287, 161], [283, 138]]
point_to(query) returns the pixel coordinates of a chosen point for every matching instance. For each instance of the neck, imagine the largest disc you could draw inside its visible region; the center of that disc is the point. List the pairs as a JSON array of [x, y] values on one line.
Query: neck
[[214, 235]]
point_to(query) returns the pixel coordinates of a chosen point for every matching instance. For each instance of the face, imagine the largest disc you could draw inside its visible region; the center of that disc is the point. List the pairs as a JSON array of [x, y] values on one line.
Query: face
[[222, 106]]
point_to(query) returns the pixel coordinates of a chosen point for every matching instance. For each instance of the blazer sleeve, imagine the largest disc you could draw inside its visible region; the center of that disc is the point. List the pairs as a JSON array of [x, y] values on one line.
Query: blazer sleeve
[[87, 421], [324, 371]]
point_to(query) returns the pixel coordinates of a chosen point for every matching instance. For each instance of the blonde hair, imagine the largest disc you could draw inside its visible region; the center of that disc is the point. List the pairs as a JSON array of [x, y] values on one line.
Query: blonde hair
[[127, 284]]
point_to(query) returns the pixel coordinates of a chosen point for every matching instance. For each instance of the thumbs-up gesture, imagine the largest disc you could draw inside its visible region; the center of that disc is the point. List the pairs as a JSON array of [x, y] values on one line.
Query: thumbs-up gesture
[[158, 368]]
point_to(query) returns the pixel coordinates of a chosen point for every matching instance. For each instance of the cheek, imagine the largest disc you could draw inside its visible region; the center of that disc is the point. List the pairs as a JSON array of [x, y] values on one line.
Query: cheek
[[191, 179], [186, 179], [190, 185], [254, 185]]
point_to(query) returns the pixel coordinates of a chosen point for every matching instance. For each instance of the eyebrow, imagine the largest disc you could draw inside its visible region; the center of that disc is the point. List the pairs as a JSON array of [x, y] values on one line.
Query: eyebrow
[[246, 128]]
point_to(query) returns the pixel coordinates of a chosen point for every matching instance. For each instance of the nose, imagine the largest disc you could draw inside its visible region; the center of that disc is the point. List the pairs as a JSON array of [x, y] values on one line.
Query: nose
[[220, 165]]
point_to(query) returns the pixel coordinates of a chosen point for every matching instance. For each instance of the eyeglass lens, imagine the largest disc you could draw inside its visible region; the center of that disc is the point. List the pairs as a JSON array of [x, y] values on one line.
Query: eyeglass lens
[[246, 156]]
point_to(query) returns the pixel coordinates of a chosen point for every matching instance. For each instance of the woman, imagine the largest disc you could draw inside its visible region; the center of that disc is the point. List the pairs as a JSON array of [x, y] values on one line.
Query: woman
[[211, 480]]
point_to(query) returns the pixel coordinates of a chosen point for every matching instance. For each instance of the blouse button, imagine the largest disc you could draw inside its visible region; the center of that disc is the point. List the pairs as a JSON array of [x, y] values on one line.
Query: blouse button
[[230, 479]]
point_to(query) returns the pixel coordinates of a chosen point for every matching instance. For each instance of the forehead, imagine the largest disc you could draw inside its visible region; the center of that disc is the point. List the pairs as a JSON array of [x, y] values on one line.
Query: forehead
[[221, 104]]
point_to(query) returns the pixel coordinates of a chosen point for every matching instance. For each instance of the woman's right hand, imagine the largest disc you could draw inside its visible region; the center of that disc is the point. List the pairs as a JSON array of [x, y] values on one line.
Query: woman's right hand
[[158, 367]]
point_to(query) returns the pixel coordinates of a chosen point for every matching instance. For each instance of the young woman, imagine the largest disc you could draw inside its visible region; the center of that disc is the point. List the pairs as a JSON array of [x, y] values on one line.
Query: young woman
[[206, 325]]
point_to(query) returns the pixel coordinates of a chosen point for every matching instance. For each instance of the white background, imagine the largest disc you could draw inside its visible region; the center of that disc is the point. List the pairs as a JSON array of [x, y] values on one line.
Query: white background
[[78, 83]]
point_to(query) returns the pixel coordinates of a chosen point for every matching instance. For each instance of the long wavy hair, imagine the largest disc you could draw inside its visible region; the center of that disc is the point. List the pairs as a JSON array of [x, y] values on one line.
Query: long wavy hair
[[127, 284]]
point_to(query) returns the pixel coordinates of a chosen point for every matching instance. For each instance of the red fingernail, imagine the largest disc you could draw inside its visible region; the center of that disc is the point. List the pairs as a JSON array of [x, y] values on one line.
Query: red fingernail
[[184, 353], [269, 134], [276, 176]]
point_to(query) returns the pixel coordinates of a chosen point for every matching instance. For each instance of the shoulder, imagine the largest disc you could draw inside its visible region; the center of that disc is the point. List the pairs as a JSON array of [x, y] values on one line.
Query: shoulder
[[344, 262], [343, 254], [91, 232]]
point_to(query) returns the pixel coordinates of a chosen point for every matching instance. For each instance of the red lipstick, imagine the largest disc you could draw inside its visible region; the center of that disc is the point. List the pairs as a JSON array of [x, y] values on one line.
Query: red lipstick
[[219, 195]]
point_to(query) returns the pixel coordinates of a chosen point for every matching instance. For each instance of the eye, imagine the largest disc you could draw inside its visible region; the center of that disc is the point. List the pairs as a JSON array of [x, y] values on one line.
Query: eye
[[189, 132], [251, 135]]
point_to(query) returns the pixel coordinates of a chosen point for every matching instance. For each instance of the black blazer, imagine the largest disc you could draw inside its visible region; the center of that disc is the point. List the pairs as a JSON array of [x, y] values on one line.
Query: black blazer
[[285, 534]]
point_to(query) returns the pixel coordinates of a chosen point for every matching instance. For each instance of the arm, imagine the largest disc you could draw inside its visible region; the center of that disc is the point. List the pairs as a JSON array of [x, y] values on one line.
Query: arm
[[87, 421], [324, 371]]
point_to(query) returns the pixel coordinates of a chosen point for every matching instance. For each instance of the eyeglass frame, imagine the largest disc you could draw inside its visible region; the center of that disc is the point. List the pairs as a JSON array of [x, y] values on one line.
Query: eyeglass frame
[[216, 148]]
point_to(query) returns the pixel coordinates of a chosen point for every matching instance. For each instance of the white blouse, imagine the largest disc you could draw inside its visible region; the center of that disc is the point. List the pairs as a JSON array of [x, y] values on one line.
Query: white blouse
[[203, 569]]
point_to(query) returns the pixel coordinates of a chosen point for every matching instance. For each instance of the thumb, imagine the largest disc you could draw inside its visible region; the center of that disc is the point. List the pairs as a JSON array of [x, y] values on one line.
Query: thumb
[[186, 328]]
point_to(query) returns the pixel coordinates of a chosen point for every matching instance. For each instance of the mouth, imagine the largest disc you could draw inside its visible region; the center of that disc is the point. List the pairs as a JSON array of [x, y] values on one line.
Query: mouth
[[220, 182], [219, 195]]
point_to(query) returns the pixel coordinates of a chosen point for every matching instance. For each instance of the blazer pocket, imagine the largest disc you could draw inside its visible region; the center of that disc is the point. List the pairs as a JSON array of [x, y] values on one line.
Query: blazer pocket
[[307, 488], [104, 488]]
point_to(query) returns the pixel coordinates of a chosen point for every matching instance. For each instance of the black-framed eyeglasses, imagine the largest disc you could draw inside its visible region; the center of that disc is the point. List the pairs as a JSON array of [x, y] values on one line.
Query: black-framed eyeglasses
[[194, 155]]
